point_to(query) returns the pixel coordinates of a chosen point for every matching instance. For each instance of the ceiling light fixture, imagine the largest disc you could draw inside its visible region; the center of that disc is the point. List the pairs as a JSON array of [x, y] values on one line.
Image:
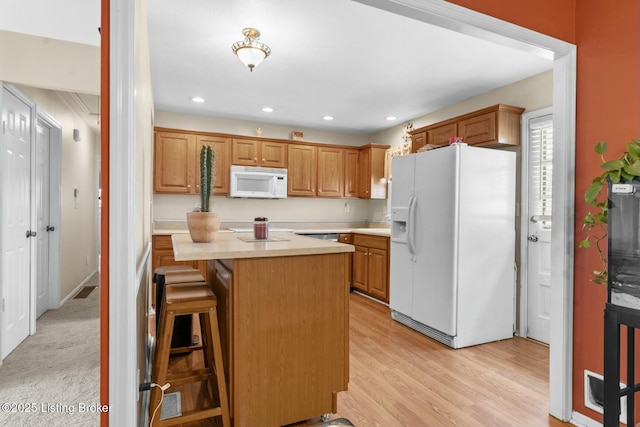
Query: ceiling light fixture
[[267, 109], [391, 118], [327, 118], [250, 51], [197, 99]]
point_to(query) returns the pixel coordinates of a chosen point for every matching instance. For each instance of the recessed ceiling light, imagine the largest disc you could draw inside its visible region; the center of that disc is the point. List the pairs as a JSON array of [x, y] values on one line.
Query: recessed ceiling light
[[197, 99], [267, 109], [327, 118], [391, 118]]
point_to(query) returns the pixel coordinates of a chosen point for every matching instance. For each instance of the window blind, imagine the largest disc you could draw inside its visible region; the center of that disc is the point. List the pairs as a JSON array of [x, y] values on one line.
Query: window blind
[[541, 169]]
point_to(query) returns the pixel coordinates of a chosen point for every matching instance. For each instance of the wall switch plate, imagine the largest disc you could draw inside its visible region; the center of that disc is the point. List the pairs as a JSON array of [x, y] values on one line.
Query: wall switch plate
[[347, 207]]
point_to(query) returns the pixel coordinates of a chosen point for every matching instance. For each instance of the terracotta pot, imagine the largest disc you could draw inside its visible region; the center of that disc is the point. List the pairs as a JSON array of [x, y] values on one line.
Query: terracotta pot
[[203, 226]]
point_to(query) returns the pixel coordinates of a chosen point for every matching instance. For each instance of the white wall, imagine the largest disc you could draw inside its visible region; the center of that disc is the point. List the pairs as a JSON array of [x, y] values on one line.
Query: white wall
[[248, 128], [79, 216], [50, 64]]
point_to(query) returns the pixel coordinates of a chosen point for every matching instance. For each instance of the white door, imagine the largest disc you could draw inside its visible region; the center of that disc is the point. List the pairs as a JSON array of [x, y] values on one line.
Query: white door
[[540, 154], [16, 167], [41, 196]]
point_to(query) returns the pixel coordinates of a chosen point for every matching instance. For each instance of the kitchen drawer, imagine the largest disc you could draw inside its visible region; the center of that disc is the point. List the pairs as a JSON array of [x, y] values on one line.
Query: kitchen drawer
[[162, 242], [345, 238], [377, 242]]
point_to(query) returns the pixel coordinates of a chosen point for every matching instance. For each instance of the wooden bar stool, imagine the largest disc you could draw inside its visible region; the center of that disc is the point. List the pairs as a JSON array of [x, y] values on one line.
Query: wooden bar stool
[[181, 299], [182, 337]]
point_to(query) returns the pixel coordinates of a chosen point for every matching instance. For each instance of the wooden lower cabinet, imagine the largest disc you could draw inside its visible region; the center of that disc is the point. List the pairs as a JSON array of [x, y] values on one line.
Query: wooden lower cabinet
[[371, 266], [162, 254]]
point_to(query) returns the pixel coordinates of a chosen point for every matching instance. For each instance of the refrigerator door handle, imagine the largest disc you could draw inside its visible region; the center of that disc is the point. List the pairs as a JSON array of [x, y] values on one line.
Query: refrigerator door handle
[[410, 226]]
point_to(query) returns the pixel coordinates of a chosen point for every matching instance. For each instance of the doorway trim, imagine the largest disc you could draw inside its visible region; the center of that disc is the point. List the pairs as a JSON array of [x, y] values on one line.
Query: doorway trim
[[563, 54], [55, 210]]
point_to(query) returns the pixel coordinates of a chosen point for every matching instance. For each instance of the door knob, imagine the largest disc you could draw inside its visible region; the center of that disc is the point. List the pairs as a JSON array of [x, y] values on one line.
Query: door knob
[[50, 228], [533, 238], [30, 234]]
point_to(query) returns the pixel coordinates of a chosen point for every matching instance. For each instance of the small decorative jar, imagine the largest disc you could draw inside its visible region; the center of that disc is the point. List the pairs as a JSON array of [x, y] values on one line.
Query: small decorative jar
[[261, 228]]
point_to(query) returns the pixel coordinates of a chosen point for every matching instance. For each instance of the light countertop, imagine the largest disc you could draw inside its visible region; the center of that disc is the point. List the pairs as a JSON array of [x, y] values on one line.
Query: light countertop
[[241, 245], [371, 231]]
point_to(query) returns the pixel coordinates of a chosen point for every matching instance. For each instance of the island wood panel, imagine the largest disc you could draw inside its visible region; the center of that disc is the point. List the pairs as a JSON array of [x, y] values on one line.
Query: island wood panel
[[221, 278], [290, 333]]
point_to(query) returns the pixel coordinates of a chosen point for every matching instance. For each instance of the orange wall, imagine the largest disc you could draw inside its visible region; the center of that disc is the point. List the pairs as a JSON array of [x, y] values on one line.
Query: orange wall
[[555, 18], [608, 108]]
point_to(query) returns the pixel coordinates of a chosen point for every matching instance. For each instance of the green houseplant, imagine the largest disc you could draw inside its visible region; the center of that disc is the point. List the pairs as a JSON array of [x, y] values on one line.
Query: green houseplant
[[624, 169], [204, 224]]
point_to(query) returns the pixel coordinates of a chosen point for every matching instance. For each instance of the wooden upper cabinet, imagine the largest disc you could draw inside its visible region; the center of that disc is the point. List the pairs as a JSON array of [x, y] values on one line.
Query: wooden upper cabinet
[[222, 149], [254, 152], [245, 152], [350, 172], [479, 129], [173, 172], [418, 140], [330, 172], [314, 170], [176, 165], [364, 174], [442, 135], [274, 154], [302, 174], [372, 183], [493, 127]]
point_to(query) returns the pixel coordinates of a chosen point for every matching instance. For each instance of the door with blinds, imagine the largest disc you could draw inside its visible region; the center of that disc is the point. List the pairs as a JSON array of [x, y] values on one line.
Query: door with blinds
[[540, 172]]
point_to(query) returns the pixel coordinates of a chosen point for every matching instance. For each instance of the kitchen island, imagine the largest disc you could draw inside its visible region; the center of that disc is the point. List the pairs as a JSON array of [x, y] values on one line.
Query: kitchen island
[[283, 309]]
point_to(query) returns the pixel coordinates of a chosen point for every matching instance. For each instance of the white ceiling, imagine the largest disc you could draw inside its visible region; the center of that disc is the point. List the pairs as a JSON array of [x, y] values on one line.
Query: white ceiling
[[329, 57]]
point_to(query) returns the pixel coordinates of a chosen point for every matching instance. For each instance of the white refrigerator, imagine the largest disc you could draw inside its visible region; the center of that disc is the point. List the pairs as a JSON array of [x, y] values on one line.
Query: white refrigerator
[[453, 244]]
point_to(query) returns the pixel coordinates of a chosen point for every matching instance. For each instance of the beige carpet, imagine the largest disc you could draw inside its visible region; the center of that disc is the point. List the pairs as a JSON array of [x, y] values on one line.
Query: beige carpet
[[52, 378]]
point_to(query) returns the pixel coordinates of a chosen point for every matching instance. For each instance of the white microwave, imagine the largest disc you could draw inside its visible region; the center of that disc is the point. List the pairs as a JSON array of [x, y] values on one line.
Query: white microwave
[[255, 182]]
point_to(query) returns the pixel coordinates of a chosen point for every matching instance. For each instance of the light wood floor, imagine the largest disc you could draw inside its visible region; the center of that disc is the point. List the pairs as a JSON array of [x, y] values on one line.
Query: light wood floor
[[399, 377]]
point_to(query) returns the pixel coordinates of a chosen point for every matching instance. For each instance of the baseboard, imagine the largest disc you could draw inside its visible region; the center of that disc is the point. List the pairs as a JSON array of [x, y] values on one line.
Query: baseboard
[[77, 289], [577, 419]]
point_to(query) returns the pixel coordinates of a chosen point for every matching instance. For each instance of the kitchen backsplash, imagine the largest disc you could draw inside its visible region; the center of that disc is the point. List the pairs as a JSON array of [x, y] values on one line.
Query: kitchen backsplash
[[169, 207]]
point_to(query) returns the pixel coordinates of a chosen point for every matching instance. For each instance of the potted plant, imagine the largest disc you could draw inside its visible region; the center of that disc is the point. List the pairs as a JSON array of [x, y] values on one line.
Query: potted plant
[[624, 169], [204, 224]]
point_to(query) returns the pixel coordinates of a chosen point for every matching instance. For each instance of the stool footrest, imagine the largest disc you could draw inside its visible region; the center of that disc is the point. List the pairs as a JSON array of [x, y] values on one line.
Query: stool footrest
[[188, 349], [191, 416], [180, 378]]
